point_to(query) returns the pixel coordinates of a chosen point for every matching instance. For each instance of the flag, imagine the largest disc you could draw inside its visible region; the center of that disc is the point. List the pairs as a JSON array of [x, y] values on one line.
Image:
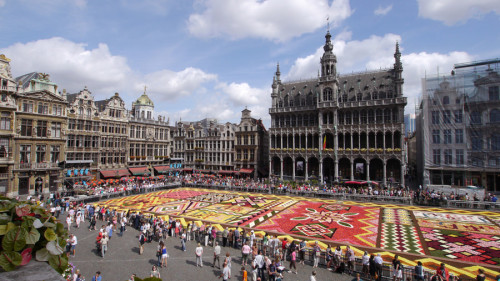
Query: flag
[[324, 143]]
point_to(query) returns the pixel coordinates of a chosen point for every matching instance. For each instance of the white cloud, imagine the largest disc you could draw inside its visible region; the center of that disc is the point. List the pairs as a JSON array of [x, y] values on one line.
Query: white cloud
[[451, 12], [73, 66], [241, 94], [277, 20], [378, 52], [382, 11], [2, 3]]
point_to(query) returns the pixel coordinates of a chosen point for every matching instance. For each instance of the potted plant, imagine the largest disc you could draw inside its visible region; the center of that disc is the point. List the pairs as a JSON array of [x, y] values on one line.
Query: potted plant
[[26, 229]]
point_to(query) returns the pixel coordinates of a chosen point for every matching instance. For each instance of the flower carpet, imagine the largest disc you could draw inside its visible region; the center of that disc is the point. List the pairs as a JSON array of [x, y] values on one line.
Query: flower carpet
[[461, 235]]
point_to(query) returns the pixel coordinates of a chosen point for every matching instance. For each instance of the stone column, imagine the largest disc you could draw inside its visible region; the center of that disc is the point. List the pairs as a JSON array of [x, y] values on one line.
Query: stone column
[[336, 169], [385, 173], [367, 170], [306, 176], [321, 170], [270, 167], [281, 170], [352, 170], [293, 170], [403, 168]]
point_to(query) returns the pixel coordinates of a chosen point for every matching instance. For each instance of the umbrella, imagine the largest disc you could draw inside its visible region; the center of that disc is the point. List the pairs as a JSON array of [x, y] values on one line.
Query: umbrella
[[353, 182]]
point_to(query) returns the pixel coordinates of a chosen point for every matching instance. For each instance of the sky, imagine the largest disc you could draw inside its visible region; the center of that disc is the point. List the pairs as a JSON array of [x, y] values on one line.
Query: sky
[[213, 58]]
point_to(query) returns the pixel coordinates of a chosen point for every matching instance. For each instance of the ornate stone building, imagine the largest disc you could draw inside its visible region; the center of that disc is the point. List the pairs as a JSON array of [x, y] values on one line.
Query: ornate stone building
[[40, 135], [149, 139], [205, 145], [339, 127], [458, 127], [114, 122], [8, 88], [83, 139], [251, 147]]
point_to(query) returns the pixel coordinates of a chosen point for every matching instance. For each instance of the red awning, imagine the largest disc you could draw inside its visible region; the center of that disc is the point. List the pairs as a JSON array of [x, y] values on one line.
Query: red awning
[[246, 171], [187, 170], [115, 173], [162, 169], [226, 172], [140, 171]]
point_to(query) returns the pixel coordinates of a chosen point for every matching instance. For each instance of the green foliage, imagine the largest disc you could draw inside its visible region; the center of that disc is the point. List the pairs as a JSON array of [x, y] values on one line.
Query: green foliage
[[26, 230]]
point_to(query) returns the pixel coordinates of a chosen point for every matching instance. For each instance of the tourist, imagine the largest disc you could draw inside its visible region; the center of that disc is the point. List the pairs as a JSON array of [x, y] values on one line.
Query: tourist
[[228, 260], [68, 222], [372, 267], [481, 276], [365, 261], [284, 245], [97, 276], [419, 272], [225, 273], [337, 258], [255, 269], [259, 259], [142, 240], [357, 278], [443, 272], [199, 252], [350, 257], [313, 276], [236, 237], [164, 255], [316, 254], [329, 257], [397, 273], [132, 277], [293, 258], [75, 275], [245, 251], [216, 254], [252, 238], [244, 274], [183, 241], [230, 238], [78, 218], [159, 251], [155, 272], [378, 263], [104, 244], [74, 242], [225, 234], [272, 271], [302, 251]]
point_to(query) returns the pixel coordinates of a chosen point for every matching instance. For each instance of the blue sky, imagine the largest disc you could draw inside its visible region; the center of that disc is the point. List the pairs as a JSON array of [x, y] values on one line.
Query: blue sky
[[211, 58]]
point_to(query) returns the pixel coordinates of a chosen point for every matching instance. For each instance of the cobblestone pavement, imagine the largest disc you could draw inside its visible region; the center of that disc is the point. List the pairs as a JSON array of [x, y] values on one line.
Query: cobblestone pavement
[[123, 259]]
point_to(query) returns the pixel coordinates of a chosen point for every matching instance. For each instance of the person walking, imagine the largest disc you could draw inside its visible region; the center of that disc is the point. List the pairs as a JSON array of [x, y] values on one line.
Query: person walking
[[226, 274], [397, 273], [302, 251], [159, 252], [104, 244], [142, 240], [199, 252], [217, 254], [293, 259], [183, 241], [313, 276], [316, 254], [225, 234], [245, 252], [97, 276]]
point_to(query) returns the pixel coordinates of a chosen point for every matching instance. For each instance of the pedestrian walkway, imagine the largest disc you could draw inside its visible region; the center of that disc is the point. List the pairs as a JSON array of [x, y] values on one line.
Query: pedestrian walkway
[[123, 259]]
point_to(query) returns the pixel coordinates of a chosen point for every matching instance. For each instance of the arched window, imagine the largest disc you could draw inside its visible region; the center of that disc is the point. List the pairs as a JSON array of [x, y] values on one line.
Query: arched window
[[395, 115], [363, 116], [387, 115], [380, 117], [297, 100], [280, 103], [355, 117], [306, 120], [446, 100], [89, 112], [344, 97], [309, 99], [371, 116], [80, 111], [285, 101], [327, 94], [495, 116], [348, 118], [374, 95], [359, 97], [340, 115]]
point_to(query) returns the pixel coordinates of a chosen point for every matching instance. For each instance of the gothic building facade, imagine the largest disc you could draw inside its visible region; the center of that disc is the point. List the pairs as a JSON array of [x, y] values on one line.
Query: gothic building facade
[[339, 127]]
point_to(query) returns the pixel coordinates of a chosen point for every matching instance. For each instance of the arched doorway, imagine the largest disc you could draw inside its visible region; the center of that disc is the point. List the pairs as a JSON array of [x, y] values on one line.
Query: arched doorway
[[344, 169], [393, 171], [276, 166], [313, 167], [300, 165], [360, 169], [328, 170], [38, 185], [287, 167], [376, 169]]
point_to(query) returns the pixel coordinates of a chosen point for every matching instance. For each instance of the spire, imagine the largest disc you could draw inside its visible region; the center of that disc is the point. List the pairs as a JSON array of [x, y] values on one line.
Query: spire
[[328, 48], [397, 57], [278, 73]]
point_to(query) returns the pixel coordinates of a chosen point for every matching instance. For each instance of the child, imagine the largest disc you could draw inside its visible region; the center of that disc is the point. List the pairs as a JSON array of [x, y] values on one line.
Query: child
[[244, 273]]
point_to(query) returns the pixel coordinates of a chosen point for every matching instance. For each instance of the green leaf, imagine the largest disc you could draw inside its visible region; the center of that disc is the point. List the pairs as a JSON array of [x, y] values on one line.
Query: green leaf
[[311, 210], [60, 229], [27, 222], [54, 248], [6, 205], [15, 239], [58, 263], [10, 260], [33, 236], [49, 234], [4, 218], [37, 223], [42, 255], [344, 224], [350, 214], [298, 218]]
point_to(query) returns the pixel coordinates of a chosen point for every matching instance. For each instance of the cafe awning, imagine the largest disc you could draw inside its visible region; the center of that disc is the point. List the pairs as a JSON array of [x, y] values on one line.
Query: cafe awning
[[246, 171], [162, 169], [140, 171], [115, 173], [226, 172]]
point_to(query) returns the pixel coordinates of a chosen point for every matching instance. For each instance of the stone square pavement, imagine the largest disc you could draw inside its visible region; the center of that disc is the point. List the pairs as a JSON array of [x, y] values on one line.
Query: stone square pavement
[[123, 259]]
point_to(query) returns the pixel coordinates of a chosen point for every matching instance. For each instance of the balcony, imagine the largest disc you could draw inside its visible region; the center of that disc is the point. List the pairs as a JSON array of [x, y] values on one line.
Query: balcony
[[4, 175], [38, 166]]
